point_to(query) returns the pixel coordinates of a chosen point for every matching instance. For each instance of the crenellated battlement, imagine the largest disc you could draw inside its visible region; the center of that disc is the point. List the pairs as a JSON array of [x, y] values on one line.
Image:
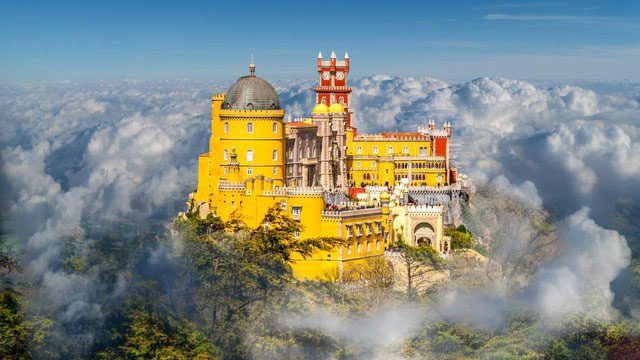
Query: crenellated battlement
[[218, 97], [390, 137], [425, 210], [351, 213]]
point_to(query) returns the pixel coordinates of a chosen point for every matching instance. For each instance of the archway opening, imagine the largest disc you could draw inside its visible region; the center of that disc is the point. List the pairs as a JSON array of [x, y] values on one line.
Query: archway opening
[[424, 234]]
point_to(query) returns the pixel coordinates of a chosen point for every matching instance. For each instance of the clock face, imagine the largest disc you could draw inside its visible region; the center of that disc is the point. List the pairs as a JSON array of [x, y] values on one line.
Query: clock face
[[325, 75], [340, 75]]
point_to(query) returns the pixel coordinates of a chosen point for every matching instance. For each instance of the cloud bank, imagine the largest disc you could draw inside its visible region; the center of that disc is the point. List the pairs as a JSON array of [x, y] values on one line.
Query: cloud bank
[[75, 152]]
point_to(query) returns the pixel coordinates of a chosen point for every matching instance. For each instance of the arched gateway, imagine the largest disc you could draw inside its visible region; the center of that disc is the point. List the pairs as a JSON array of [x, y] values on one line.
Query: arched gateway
[[423, 234]]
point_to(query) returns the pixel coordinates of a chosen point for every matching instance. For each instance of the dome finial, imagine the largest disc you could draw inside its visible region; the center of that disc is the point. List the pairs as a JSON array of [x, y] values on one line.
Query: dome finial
[[252, 66]]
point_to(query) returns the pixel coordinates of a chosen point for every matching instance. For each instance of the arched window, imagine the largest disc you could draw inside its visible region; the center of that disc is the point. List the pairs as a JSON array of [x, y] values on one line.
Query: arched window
[[275, 128], [226, 128], [283, 205], [439, 179], [375, 149], [274, 155], [390, 150], [405, 150], [225, 155], [249, 155], [250, 128], [359, 150], [275, 171]]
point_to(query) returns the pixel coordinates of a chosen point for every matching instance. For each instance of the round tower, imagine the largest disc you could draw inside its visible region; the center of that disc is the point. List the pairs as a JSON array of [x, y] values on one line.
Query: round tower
[[249, 124]]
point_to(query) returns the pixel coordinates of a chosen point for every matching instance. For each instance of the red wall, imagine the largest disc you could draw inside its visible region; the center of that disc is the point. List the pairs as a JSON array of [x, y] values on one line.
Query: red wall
[[440, 146]]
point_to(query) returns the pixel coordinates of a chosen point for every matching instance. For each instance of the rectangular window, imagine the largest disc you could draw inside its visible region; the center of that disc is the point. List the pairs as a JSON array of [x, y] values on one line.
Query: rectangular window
[[358, 248], [249, 171], [226, 170], [377, 244], [357, 164], [390, 150], [368, 246], [275, 171], [295, 212], [359, 150], [375, 149], [405, 150], [349, 250], [422, 151], [373, 164], [296, 234], [349, 231]]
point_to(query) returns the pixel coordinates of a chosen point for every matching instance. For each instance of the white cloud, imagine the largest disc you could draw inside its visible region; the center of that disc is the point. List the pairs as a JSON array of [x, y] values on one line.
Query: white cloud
[[579, 282], [525, 193]]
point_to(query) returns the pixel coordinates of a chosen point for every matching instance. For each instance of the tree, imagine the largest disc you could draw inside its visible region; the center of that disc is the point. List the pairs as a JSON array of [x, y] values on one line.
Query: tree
[[226, 274], [373, 273], [520, 238], [416, 262], [13, 332], [461, 238], [276, 235]]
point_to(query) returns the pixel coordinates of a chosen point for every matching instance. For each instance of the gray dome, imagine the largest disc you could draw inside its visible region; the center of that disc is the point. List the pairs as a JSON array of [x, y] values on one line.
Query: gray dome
[[251, 93]]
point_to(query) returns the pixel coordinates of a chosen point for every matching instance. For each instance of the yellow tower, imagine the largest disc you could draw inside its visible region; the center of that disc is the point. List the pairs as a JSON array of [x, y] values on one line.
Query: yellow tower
[[247, 140]]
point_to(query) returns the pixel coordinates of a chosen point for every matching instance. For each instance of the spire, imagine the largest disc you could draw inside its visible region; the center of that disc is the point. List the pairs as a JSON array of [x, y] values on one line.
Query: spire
[[252, 66], [319, 54], [346, 55], [333, 54]]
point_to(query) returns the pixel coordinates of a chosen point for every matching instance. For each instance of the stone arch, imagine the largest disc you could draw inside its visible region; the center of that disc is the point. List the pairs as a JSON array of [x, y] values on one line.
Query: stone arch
[[424, 234]]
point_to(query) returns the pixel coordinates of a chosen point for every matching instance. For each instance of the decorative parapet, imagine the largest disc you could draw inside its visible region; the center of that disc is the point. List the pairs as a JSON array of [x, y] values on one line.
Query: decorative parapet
[[420, 158], [393, 137], [299, 191], [338, 89], [243, 114], [435, 189], [376, 189], [351, 213], [425, 210], [224, 185], [218, 97]]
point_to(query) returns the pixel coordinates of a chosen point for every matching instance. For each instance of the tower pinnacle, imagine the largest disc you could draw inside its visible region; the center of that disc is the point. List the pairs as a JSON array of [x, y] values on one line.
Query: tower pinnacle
[[252, 66]]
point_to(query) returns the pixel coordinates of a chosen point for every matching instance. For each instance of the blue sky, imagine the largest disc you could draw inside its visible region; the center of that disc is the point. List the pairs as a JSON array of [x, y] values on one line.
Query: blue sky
[[210, 40]]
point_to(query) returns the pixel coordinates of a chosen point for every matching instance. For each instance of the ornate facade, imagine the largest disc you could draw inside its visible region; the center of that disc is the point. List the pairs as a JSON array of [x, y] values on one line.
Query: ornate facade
[[369, 188]]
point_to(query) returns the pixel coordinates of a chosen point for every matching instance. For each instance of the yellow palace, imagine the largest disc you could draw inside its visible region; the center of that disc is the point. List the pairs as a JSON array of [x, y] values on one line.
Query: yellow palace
[[368, 188]]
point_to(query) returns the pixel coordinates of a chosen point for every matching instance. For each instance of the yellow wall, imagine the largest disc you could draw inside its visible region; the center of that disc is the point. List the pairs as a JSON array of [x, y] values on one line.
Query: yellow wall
[[324, 262], [368, 147], [372, 163]]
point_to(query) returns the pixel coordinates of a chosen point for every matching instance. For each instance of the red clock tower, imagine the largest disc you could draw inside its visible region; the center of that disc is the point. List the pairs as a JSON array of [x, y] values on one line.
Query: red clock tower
[[333, 83]]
